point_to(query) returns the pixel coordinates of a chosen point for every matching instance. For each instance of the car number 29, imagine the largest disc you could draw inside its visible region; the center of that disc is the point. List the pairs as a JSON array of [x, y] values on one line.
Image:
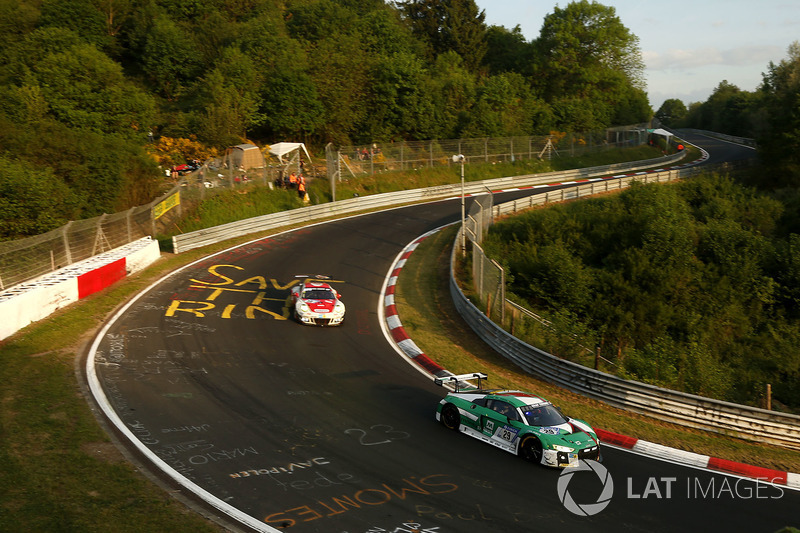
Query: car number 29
[[505, 434]]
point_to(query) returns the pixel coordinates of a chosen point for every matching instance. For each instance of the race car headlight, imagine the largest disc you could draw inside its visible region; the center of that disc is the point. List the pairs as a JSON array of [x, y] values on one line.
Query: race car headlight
[[303, 307], [339, 309], [560, 448]]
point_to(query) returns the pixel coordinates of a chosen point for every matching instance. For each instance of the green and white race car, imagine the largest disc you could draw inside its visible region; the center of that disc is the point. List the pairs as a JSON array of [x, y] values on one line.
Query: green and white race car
[[518, 422]]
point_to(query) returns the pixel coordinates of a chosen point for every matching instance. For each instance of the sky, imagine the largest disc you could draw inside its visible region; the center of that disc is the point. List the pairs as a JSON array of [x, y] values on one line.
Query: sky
[[688, 47]]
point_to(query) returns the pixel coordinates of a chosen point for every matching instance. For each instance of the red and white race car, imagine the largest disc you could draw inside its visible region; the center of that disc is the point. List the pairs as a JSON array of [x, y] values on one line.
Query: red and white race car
[[317, 303]]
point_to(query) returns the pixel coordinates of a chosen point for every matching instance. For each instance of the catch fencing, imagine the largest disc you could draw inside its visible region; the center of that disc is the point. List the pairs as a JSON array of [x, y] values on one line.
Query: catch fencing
[[303, 215], [29, 258], [495, 326], [370, 159], [25, 259]]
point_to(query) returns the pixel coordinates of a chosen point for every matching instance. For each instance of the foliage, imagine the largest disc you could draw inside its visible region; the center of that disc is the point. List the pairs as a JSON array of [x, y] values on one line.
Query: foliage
[[94, 78], [671, 112], [169, 151], [690, 286], [780, 141], [729, 110], [89, 88], [589, 66], [508, 51], [448, 25], [47, 200]]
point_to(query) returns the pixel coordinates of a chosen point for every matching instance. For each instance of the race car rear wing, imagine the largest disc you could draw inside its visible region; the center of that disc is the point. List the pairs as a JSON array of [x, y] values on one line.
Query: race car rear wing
[[462, 381]]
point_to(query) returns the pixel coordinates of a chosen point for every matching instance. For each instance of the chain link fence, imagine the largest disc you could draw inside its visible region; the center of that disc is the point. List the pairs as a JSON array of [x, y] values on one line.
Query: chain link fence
[[25, 259], [488, 276], [360, 160]]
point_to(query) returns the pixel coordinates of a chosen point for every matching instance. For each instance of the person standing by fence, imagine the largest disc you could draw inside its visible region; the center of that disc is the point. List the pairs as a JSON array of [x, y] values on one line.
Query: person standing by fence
[[301, 187]]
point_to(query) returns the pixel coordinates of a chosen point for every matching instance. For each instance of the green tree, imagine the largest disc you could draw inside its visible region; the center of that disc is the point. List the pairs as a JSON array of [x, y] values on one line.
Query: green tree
[[80, 16], [780, 144], [340, 69], [289, 99], [632, 107], [587, 61], [400, 104], [17, 19], [85, 89], [671, 112], [32, 200], [505, 105], [507, 51], [446, 25], [169, 57], [54, 73], [453, 89], [788, 275], [230, 97]]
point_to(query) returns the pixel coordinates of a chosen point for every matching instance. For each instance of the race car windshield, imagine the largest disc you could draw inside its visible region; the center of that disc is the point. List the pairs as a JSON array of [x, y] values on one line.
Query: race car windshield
[[319, 294], [544, 415]]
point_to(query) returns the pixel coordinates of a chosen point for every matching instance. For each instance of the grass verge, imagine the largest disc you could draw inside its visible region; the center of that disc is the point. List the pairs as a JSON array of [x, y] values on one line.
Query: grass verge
[[430, 318], [59, 470]]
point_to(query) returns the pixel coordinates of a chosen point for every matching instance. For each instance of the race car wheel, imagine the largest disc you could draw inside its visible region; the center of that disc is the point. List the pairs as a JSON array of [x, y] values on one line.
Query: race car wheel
[[530, 449], [450, 417]]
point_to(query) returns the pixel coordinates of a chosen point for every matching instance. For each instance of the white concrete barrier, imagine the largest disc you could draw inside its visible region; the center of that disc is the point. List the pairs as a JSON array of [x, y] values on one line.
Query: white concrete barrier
[[37, 299]]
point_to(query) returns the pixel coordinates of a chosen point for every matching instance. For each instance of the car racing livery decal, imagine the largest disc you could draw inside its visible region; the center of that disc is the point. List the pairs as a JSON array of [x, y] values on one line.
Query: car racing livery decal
[[505, 434]]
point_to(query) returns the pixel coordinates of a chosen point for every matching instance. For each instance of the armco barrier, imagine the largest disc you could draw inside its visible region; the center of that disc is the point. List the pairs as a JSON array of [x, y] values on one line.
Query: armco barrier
[[676, 407], [195, 239], [402, 340], [37, 299]]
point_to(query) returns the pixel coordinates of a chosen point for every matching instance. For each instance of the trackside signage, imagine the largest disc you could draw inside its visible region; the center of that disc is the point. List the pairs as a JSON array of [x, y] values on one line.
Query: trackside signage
[[166, 205]]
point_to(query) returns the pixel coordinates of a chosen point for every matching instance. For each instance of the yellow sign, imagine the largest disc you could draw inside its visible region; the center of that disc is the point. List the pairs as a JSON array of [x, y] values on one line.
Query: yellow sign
[[167, 204]]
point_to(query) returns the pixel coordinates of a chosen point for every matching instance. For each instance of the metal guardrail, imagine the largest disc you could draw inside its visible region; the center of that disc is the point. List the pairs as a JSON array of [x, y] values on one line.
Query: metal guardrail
[[687, 410], [746, 141], [195, 239]]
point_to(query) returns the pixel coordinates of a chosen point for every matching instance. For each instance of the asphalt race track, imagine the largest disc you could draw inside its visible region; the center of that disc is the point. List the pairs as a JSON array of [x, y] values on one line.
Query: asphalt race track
[[277, 426]]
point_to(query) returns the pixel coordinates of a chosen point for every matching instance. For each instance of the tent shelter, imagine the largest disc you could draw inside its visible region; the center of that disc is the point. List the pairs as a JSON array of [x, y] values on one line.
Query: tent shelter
[[291, 150], [245, 156], [661, 131], [289, 156]]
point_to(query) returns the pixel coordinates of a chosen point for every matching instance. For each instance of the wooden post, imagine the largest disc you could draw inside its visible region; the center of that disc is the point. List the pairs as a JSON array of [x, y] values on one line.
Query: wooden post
[[769, 397]]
